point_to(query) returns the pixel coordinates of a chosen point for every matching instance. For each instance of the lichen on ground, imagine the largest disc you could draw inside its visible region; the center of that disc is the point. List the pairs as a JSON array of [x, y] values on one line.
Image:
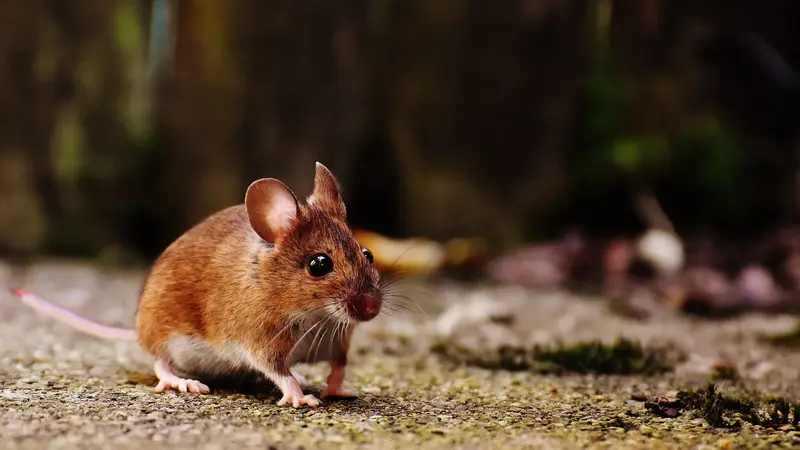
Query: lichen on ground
[[728, 411], [60, 389], [622, 357], [790, 338]]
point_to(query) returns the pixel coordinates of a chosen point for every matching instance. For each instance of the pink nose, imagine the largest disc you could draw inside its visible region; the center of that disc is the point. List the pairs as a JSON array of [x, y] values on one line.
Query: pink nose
[[365, 306]]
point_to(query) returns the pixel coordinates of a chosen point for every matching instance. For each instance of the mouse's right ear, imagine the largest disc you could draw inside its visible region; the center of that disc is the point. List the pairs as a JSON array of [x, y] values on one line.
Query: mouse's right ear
[[271, 207]]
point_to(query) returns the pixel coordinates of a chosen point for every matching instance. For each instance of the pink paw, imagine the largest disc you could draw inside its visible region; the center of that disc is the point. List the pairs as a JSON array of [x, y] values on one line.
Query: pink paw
[[182, 385], [168, 380], [341, 391], [298, 400]]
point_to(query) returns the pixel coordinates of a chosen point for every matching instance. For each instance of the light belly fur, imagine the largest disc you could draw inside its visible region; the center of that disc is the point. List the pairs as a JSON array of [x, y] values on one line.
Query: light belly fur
[[196, 358]]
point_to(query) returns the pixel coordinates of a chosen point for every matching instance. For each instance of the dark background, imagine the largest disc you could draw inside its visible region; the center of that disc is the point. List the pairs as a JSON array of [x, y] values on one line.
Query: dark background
[[510, 120]]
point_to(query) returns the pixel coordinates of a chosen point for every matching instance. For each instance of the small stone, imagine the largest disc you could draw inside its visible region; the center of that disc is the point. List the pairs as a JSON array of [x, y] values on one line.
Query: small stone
[[664, 406]]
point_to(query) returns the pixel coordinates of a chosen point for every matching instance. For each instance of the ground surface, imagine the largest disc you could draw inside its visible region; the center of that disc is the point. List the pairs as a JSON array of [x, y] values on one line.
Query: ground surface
[[61, 389]]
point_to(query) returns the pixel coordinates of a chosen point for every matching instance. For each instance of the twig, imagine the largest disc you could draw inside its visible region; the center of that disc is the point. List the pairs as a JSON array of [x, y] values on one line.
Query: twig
[[651, 212]]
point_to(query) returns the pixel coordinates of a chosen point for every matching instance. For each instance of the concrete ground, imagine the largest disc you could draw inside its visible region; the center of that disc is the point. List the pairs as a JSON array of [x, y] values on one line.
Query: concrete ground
[[61, 389]]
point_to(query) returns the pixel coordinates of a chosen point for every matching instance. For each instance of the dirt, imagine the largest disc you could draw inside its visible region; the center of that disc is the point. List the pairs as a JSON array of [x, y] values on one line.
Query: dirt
[[61, 389]]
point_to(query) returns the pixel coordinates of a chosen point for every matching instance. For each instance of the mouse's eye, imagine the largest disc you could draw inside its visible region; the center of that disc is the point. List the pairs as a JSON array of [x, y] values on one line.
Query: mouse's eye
[[320, 265], [368, 254]]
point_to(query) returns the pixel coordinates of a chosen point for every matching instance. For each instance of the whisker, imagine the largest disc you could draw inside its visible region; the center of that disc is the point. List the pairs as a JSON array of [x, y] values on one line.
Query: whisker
[[391, 304], [390, 282], [291, 323], [402, 254], [392, 301], [301, 317], [335, 334], [391, 293], [303, 336], [345, 318], [393, 312], [392, 289], [399, 296], [389, 313], [400, 307], [323, 330], [347, 323], [397, 301], [324, 333]]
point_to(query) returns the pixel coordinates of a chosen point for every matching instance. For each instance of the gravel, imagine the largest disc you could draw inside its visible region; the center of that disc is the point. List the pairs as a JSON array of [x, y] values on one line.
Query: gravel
[[62, 389]]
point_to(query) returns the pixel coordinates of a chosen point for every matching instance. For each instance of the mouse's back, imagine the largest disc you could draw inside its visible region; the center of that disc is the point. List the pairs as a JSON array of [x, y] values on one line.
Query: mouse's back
[[191, 270]]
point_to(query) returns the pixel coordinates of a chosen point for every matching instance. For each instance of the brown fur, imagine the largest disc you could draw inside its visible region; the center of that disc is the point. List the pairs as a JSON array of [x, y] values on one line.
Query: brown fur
[[222, 282]]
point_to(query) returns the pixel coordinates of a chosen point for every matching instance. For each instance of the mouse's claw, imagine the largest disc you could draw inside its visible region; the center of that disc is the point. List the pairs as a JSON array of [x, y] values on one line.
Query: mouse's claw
[[297, 401], [168, 380], [183, 385], [292, 392]]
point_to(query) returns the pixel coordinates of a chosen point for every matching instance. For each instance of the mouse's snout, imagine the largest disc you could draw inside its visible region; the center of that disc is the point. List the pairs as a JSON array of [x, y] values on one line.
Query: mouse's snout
[[364, 306]]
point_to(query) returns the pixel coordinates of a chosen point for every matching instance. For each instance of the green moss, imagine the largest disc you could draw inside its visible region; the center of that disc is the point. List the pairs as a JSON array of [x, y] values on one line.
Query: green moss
[[788, 339], [621, 422], [622, 357], [723, 411]]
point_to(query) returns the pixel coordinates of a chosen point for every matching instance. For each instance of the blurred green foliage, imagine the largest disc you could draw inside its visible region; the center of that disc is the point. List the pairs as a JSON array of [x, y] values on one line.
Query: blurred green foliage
[[440, 119]]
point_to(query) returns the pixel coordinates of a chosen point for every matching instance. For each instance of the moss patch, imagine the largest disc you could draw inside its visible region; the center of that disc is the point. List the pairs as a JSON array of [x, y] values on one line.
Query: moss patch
[[723, 411], [788, 339], [623, 357]]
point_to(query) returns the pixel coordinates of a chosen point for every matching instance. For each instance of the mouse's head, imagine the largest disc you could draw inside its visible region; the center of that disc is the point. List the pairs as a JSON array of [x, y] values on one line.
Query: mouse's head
[[317, 264]]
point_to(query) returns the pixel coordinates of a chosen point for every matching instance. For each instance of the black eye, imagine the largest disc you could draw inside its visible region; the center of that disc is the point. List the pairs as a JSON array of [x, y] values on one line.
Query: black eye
[[368, 254], [320, 265]]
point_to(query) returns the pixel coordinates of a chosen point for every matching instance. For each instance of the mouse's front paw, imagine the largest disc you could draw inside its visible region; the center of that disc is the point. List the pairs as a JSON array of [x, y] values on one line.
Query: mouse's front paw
[[298, 400], [340, 391]]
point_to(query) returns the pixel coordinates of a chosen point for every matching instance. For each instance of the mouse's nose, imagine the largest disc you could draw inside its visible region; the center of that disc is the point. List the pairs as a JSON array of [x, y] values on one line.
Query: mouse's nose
[[365, 306]]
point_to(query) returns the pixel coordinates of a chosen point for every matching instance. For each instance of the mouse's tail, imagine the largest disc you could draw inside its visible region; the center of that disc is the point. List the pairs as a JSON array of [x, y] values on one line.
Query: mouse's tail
[[70, 318]]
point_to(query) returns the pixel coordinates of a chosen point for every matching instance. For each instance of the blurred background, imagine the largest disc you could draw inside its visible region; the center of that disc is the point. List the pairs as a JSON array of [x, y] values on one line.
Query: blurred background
[[541, 141]]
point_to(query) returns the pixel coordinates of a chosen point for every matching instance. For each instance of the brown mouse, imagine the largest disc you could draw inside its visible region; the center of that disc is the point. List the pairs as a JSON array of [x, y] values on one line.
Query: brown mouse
[[251, 291]]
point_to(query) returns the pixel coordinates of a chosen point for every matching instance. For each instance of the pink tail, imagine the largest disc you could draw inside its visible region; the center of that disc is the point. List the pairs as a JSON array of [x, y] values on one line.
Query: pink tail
[[74, 320]]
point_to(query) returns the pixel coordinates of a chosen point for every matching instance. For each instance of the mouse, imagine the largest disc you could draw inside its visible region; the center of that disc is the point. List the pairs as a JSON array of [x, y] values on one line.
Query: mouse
[[249, 292]]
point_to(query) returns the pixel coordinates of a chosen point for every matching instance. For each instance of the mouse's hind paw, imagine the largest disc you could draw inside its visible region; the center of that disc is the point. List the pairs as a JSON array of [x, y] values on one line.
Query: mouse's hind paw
[[182, 385], [298, 400], [168, 380]]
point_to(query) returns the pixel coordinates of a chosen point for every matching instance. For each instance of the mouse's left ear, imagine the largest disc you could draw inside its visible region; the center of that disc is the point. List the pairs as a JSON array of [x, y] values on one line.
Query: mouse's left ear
[[327, 193], [271, 208]]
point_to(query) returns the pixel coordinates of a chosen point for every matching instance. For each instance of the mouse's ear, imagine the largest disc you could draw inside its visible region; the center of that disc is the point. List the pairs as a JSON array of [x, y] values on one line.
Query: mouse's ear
[[327, 194], [271, 207]]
